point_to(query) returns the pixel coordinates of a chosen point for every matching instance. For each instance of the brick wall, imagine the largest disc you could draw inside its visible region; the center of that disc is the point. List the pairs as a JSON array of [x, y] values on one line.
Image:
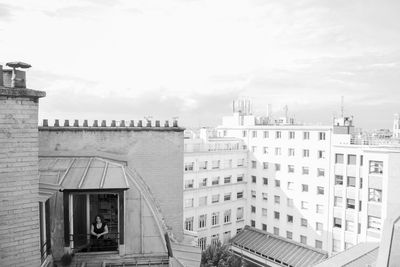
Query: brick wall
[[157, 155], [19, 181]]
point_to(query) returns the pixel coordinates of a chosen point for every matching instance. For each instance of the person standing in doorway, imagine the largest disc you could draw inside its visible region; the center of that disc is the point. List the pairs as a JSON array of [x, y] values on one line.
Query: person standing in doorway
[[98, 230]]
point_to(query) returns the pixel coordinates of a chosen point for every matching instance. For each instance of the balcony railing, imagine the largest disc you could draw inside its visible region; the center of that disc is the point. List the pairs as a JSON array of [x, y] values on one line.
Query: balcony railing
[[89, 243], [44, 251]]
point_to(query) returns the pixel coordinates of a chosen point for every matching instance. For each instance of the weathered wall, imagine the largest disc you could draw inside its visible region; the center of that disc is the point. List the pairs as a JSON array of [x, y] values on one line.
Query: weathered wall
[[156, 154], [19, 180]]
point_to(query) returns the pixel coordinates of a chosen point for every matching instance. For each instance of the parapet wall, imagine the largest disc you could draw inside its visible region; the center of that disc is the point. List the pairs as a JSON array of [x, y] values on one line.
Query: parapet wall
[[154, 151]]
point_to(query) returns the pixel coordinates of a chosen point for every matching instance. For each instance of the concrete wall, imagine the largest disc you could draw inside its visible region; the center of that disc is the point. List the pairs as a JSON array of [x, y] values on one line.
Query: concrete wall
[[19, 179], [155, 153]]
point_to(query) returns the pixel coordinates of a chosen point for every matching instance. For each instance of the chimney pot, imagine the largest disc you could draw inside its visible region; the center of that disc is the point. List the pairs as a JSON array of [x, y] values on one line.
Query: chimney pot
[[148, 124], [166, 124], [66, 123], [56, 123], [175, 123], [76, 123], [95, 123], [139, 123], [85, 123], [157, 123], [132, 123], [103, 123], [113, 123]]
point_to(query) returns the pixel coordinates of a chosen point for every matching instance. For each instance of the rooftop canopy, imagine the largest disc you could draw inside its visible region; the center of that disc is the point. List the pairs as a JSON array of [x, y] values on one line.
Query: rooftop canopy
[[263, 247], [80, 173]]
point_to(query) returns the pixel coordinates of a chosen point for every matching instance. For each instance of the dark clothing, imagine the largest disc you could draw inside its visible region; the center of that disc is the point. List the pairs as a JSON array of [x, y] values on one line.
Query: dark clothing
[[98, 242], [99, 230]]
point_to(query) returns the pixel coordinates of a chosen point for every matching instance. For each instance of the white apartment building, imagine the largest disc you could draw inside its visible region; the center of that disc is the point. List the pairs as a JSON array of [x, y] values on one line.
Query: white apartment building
[[396, 126], [214, 188]]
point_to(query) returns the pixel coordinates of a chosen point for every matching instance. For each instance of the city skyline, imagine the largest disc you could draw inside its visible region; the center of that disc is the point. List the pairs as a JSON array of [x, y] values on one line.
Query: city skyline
[[123, 60]]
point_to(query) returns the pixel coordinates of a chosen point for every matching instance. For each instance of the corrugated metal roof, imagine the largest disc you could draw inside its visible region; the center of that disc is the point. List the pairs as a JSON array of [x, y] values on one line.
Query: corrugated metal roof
[[368, 259], [81, 173], [277, 249]]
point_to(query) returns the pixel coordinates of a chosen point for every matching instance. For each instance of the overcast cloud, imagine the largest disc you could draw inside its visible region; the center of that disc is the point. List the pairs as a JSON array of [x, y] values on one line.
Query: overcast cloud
[[103, 59]]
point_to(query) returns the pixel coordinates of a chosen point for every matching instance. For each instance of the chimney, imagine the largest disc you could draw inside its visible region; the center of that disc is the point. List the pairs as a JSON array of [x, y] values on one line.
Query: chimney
[[14, 77]]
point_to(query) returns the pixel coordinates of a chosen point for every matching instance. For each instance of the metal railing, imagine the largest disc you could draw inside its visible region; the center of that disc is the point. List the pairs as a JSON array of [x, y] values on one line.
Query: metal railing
[[44, 251], [89, 243]]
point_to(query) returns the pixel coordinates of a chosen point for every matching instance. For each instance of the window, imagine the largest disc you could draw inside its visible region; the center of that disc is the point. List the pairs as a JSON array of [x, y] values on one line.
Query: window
[[203, 201], [276, 215], [338, 179], [289, 218], [337, 222], [349, 226], [265, 196], [304, 188], [203, 182], [239, 213], [215, 180], [227, 196], [189, 166], [374, 223], [359, 205], [374, 195], [264, 227], [253, 223], [265, 165], [228, 164], [339, 158], [254, 134], [321, 136], [320, 208], [337, 202], [303, 239], [215, 239], [336, 247], [304, 222], [304, 205], [351, 181], [347, 245], [189, 223], [265, 181], [202, 243], [321, 154], [203, 165], [278, 151], [240, 162], [254, 164], [289, 235], [306, 135], [253, 209], [320, 190], [239, 178], [306, 153], [215, 218], [244, 133], [318, 244], [253, 179], [227, 179], [253, 194], [289, 202], [277, 167], [290, 185], [239, 195], [376, 167], [227, 236], [320, 172], [361, 160], [215, 198], [277, 199], [277, 183], [253, 149], [189, 202], [351, 159], [350, 203], [265, 150], [361, 182], [264, 212], [203, 221], [189, 183], [319, 226], [278, 135], [292, 135], [276, 231], [305, 171], [290, 168], [266, 134], [215, 164], [227, 216]]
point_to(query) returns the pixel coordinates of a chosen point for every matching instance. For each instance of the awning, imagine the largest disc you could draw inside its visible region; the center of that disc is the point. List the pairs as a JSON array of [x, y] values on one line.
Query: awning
[[80, 173]]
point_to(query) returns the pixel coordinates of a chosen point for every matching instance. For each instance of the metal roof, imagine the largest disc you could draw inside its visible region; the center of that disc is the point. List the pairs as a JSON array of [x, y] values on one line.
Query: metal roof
[[81, 173], [281, 251]]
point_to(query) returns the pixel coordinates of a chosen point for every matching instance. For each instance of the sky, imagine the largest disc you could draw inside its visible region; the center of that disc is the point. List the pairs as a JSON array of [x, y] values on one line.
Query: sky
[[115, 59]]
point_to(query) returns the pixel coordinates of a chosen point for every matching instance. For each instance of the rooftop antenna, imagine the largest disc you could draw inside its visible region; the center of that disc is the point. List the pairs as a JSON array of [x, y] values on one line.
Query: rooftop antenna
[[342, 106]]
